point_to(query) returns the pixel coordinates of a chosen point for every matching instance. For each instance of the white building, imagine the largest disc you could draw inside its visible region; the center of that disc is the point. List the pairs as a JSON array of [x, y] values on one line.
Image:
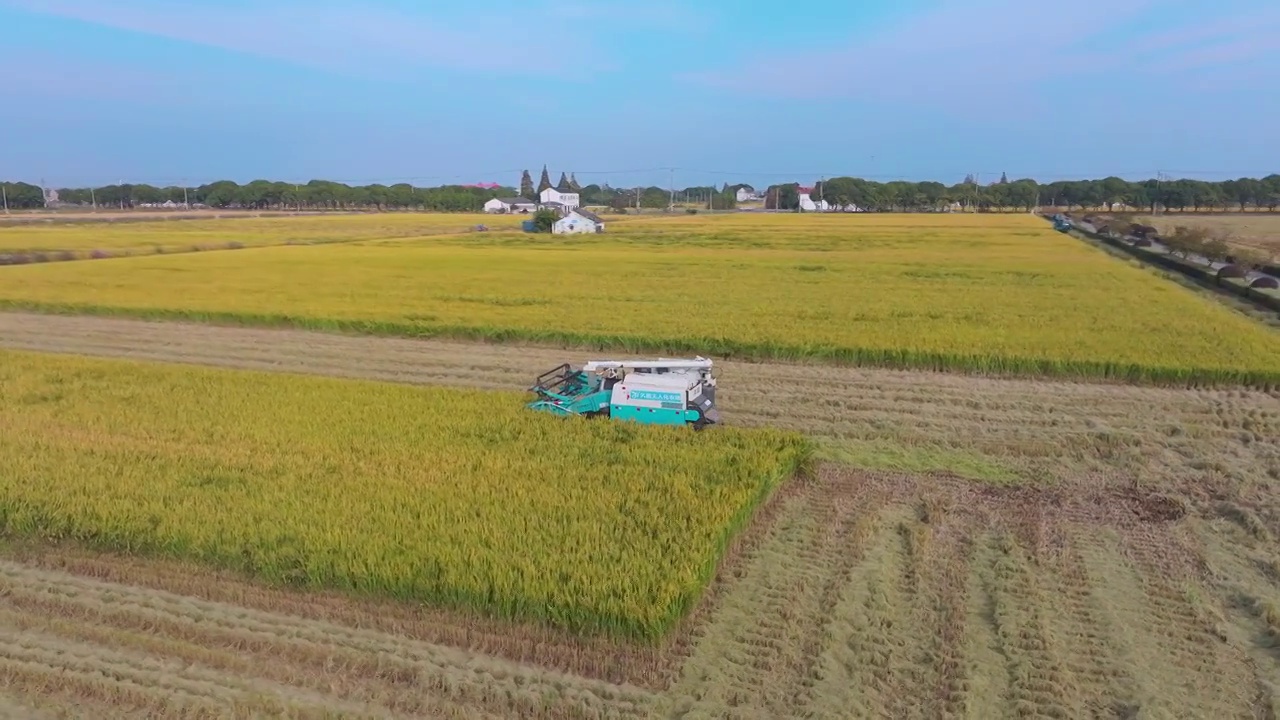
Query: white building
[[807, 203], [510, 205], [747, 194], [577, 220], [551, 195]]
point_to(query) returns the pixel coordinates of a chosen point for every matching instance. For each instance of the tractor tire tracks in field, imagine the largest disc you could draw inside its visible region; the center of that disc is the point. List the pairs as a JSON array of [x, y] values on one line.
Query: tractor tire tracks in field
[[147, 650], [909, 596]]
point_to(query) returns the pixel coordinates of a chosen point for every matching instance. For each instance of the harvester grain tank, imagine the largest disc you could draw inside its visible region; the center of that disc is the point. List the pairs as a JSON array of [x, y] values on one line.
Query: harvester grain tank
[[653, 392]]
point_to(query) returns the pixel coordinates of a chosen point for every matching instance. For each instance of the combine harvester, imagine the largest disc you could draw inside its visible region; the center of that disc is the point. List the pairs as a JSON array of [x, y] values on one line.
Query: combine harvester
[[653, 392]]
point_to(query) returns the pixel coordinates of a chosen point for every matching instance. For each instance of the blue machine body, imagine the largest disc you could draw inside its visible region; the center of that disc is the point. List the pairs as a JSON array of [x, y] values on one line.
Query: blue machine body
[[651, 392]]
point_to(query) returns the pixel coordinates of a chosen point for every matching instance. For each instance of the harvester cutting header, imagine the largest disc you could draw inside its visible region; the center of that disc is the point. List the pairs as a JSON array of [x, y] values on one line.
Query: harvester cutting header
[[654, 392]]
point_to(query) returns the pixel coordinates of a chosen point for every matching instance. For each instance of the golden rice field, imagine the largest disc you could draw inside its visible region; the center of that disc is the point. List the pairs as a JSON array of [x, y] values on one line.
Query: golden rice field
[[183, 235], [995, 293], [461, 498]]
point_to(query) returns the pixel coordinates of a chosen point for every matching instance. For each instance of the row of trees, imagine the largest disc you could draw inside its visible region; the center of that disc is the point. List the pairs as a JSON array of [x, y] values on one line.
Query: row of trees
[[568, 184], [265, 195], [322, 194], [1245, 193], [1027, 194]]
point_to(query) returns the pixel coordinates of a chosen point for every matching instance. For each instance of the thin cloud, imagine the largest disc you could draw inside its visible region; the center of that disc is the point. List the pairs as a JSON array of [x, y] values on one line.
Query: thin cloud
[[51, 76], [969, 54], [1216, 56], [662, 15], [365, 40], [956, 48], [1257, 23]]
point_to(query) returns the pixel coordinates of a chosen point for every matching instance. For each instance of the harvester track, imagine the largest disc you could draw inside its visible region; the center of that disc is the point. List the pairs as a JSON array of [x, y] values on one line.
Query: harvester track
[[821, 399]]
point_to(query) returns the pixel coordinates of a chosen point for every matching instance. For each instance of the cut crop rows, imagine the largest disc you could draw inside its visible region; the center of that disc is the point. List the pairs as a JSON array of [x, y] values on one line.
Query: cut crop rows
[[132, 649], [927, 596]]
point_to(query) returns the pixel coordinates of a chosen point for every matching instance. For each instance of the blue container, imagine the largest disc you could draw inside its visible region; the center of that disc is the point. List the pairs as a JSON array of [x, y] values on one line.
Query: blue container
[[527, 226]]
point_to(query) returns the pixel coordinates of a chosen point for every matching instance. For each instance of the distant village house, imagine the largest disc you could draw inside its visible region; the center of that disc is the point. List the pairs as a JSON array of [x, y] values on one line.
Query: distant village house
[[807, 203], [552, 196], [510, 205], [576, 220], [804, 197]]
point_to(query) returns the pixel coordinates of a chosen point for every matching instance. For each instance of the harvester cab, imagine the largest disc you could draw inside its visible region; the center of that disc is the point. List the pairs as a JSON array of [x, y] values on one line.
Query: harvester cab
[[653, 392]]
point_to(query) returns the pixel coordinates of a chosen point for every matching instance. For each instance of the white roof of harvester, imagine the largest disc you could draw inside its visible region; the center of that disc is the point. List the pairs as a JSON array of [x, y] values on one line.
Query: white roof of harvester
[[673, 381], [700, 363]]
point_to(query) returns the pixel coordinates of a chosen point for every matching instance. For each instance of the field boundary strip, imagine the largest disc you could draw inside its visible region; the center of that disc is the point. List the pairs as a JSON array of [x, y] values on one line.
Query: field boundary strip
[[997, 366], [135, 216], [10, 258]]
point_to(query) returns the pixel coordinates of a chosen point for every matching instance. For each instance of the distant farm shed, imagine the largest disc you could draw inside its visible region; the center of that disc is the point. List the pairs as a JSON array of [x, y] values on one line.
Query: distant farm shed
[[576, 221]]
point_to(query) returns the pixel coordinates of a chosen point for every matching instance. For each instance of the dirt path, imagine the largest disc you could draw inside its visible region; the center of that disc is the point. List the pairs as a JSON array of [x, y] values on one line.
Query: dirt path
[[819, 398]]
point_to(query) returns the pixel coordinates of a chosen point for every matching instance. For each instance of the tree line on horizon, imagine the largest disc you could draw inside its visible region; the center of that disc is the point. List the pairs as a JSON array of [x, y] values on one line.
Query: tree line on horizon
[[1028, 194], [895, 196]]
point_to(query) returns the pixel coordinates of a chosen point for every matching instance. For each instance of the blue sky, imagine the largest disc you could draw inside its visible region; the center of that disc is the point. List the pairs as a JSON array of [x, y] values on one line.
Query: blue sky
[[745, 91]]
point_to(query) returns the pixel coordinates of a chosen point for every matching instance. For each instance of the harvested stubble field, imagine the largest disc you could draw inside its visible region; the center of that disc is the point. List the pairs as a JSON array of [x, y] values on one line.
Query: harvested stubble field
[[1259, 230], [176, 235], [1000, 294], [1114, 554]]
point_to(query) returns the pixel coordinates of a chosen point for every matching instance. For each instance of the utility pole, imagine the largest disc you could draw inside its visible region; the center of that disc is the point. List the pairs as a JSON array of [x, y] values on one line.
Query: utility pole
[[672, 186], [4, 193], [121, 188], [93, 199], [44, 194]]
